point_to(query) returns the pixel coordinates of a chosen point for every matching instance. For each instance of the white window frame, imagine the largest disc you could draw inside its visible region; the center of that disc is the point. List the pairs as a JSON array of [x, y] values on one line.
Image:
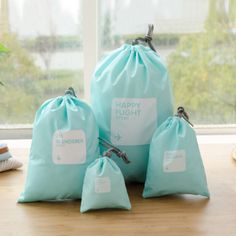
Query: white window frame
[[91, 22], [90, 41]]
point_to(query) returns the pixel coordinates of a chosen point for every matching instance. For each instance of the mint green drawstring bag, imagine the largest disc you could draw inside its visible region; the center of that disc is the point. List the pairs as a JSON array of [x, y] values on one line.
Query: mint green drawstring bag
[[104, 186], [64, 143], [175, 165], [131, 96]]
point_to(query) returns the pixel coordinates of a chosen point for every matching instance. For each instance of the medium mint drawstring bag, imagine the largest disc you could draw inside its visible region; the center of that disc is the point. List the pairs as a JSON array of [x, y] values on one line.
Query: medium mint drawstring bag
[[175, 165], [131, 96], [104, 185], [64, 143]]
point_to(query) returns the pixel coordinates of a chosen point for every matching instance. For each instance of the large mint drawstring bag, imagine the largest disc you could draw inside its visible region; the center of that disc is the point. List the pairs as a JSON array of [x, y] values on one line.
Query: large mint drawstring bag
[[175, 165], [64, 143], [104, 186], [131, 96]]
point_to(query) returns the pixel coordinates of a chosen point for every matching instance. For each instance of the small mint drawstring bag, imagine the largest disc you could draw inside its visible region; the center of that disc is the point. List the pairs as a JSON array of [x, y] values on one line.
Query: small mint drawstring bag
[[104, 185], [175, 164]]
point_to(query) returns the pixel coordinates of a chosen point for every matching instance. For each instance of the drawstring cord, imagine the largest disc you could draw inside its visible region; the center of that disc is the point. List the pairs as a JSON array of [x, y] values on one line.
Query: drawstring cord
[[183, 114], [113, 149], [70, 91], [147, 38]]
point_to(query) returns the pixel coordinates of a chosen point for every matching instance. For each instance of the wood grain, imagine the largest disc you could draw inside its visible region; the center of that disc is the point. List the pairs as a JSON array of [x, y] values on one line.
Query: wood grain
[[173, 215]]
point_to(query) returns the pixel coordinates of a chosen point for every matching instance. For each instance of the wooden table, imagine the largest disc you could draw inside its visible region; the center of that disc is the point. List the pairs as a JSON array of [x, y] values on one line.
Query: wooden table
[[174, 215]]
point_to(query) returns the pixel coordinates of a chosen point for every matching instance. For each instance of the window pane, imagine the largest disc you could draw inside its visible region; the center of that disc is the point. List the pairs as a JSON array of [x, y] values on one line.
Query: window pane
[[197, 40], [45, 58]]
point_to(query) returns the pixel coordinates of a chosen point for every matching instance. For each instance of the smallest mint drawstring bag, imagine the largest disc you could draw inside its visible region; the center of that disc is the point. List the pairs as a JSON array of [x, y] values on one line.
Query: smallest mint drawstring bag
[[104, 185], [175, 164]]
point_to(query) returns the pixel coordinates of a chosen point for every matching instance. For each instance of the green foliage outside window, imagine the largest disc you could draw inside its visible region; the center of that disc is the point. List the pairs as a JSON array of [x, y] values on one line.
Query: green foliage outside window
[[203, 68], [27, 86], [3, 50]]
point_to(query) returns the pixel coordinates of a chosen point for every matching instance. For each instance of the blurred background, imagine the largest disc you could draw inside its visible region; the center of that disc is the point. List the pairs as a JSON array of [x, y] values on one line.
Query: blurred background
[[196, 39]]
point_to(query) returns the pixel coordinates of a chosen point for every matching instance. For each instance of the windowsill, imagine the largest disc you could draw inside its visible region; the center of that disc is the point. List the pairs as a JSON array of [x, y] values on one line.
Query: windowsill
[[202, 139], [25, 131]]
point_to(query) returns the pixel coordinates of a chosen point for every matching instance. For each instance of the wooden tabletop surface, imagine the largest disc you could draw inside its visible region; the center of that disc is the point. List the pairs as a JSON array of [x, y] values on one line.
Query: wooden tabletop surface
[[173, 215]]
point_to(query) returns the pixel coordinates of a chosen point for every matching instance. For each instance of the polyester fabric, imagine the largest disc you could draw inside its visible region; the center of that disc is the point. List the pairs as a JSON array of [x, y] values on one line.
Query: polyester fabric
[[104, 187], [131, 97], [65, 142], [175, 165]]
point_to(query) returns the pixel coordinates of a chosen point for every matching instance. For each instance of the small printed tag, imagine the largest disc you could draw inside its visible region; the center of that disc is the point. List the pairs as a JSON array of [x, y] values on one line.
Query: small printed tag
[[69, 147], [102, 185], [174, 161], [133, 120]]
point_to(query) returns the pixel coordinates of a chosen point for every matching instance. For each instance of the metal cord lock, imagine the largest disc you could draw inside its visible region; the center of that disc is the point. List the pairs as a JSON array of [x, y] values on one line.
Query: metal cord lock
[[113, 149], [147, 38], [183, 114]]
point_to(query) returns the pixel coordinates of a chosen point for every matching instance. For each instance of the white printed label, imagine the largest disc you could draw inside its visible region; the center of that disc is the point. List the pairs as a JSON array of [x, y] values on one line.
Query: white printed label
[[102, 185], [174, 161], [69, 147], [133, 120]]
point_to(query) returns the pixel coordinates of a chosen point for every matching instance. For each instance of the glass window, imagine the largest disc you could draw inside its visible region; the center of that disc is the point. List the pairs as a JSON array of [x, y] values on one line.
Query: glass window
[[197, 40], [46, 55]]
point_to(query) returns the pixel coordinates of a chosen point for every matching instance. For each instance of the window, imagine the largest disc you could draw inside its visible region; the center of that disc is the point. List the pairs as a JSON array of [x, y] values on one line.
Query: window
[[196, 38], [46, 55]]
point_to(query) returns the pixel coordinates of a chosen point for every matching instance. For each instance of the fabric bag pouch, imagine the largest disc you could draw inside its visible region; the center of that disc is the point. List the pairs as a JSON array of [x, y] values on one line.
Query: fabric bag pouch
[[175, 164], [131, 96], [64, 143], [104, 185]]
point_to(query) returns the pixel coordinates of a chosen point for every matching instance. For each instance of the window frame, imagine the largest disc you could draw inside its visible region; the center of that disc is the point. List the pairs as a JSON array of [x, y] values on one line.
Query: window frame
[[91, 47], [90, 9]]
